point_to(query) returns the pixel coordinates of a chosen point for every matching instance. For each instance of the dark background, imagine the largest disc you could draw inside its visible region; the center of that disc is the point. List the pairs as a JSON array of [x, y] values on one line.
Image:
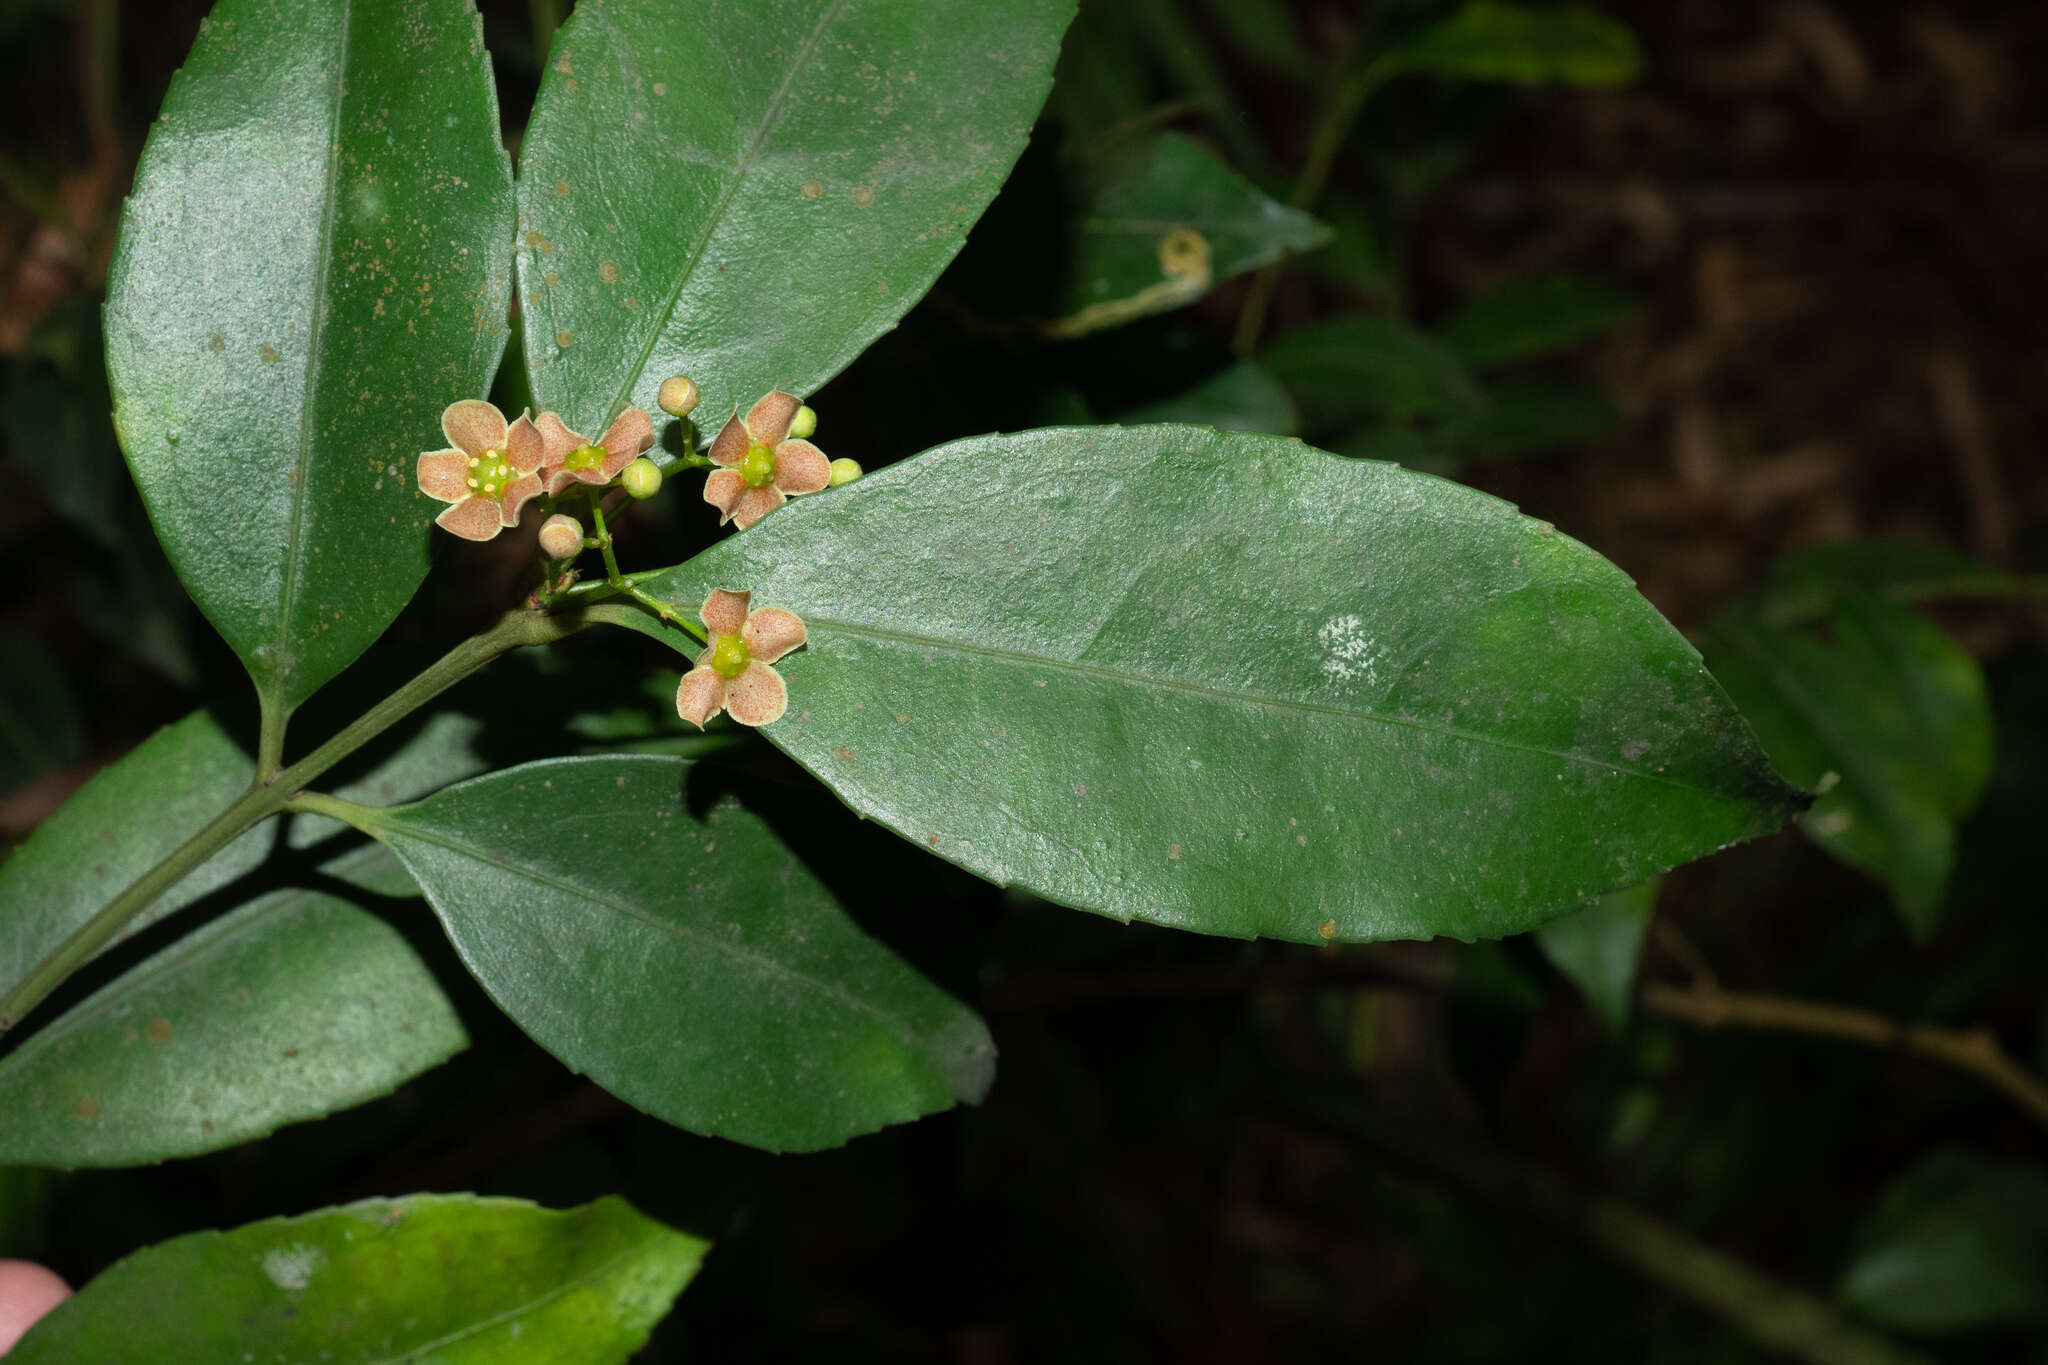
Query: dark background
[[1834, 219]]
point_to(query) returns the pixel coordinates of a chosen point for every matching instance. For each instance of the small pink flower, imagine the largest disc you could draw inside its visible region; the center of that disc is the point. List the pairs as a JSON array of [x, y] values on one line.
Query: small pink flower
[[488, 473], [761, 466], [570, 459], [732, 674]]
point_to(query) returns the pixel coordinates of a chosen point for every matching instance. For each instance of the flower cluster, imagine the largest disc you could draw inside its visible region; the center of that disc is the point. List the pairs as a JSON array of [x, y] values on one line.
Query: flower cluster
[[492, 468]]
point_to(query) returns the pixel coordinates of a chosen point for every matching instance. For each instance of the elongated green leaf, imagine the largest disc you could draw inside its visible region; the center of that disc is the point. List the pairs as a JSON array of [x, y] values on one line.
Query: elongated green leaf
[[1233, 684], [1959, 1242], [128, 817], [1522, 45], [688, 963], [295, 1005], [1164, 222], [311, 267], [1599, 948], [1358, 368], [1241, 398], [452, 1279], [1886, 718], [1534, 317], [116, 827], [751, 194]]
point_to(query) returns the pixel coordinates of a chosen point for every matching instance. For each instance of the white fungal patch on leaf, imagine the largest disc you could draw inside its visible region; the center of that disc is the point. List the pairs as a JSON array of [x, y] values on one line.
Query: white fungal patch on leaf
[[293, 1267], [1348, 650]]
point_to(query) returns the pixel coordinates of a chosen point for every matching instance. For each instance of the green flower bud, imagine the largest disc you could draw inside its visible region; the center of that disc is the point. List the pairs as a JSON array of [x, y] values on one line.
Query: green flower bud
[[804, 425], [561, 537], [844, 471], [678, 396], [641, 479]]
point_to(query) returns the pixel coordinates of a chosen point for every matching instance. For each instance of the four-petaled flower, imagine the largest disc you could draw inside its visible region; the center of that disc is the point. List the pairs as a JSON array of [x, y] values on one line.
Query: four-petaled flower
[[489, 472], [732, 674], [760, 465], [570, 459]]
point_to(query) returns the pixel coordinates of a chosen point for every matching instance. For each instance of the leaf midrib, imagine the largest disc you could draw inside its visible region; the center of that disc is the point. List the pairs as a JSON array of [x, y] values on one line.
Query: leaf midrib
[[903, 1029], [284, 661], [659, 320], [1294, 704]]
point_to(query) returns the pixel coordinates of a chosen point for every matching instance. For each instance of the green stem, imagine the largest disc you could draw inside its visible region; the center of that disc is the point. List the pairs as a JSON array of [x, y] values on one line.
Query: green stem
[[335, 808], [1333, 130], [264, 799], [620, 583], [270, 739]]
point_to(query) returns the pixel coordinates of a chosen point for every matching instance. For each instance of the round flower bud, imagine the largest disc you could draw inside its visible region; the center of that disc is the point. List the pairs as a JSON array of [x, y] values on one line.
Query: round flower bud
[[804, 425], [678, 396], [641, 479], [844, 471], [561, 537]]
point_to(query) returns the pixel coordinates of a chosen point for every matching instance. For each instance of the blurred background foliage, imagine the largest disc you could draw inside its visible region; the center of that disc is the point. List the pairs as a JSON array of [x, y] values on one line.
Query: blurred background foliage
[[1733, 292]]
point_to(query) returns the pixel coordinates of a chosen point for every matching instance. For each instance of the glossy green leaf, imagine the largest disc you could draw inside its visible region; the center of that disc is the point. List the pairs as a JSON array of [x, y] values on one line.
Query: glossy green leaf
[[1534, 317], [295, 1005], [1354, 369], [1522, 45], [1164, 221], [684, 957], [1233, 684], [40, 728], [1600, 947], [751, 194], [311, 268], [1241, 398], [1959, 1242], [451, 1279], [1885, 717], [120, 824], [135, 812]]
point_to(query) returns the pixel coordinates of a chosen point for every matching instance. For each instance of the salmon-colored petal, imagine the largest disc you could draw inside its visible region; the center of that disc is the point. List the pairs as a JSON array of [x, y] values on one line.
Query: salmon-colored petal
[[722, 489], [591, 474], [757, 503], [801, 467], [557, 440], [768, 420], [474, 518], [731, 445], [725, 612], [625, 440], [473, 426], [757, 696], [557, 480], [700, 696], [772, 632], [444, 474], [525, 447], [517, 494]]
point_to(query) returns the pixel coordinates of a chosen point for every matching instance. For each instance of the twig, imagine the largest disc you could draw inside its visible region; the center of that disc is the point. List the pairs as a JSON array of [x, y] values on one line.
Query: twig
[[1975, 1050]]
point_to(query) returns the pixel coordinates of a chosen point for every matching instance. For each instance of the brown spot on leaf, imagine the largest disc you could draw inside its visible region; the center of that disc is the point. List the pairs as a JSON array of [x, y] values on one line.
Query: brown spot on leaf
[[812, 189], [158, 1030], [87, 1108], [216, 343], [565, 338], [269, 354], [608, 271], [843, 754], [863, 196], [561, 187], [1328, 929]]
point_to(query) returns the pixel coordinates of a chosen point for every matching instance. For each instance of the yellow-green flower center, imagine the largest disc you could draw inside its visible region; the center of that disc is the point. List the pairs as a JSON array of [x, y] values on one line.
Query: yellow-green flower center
[[490, 472], [585, 457], [757, 466], [729, 656]]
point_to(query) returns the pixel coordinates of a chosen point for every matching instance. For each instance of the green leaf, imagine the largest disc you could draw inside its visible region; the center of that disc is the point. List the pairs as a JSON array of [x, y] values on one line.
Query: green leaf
[[1232, 684], [135, 812], [682, 956], [1599, 948], [446, 1278], [1241, 398], [310, 268], [298, 1004], [1524, 416], [1885, 717], [751, 194], [1960, 1242], [40, 728], [1264, 31], [1534, 317], [1522, 45], [1164, 221], [1806, 583], [1354, 369]]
